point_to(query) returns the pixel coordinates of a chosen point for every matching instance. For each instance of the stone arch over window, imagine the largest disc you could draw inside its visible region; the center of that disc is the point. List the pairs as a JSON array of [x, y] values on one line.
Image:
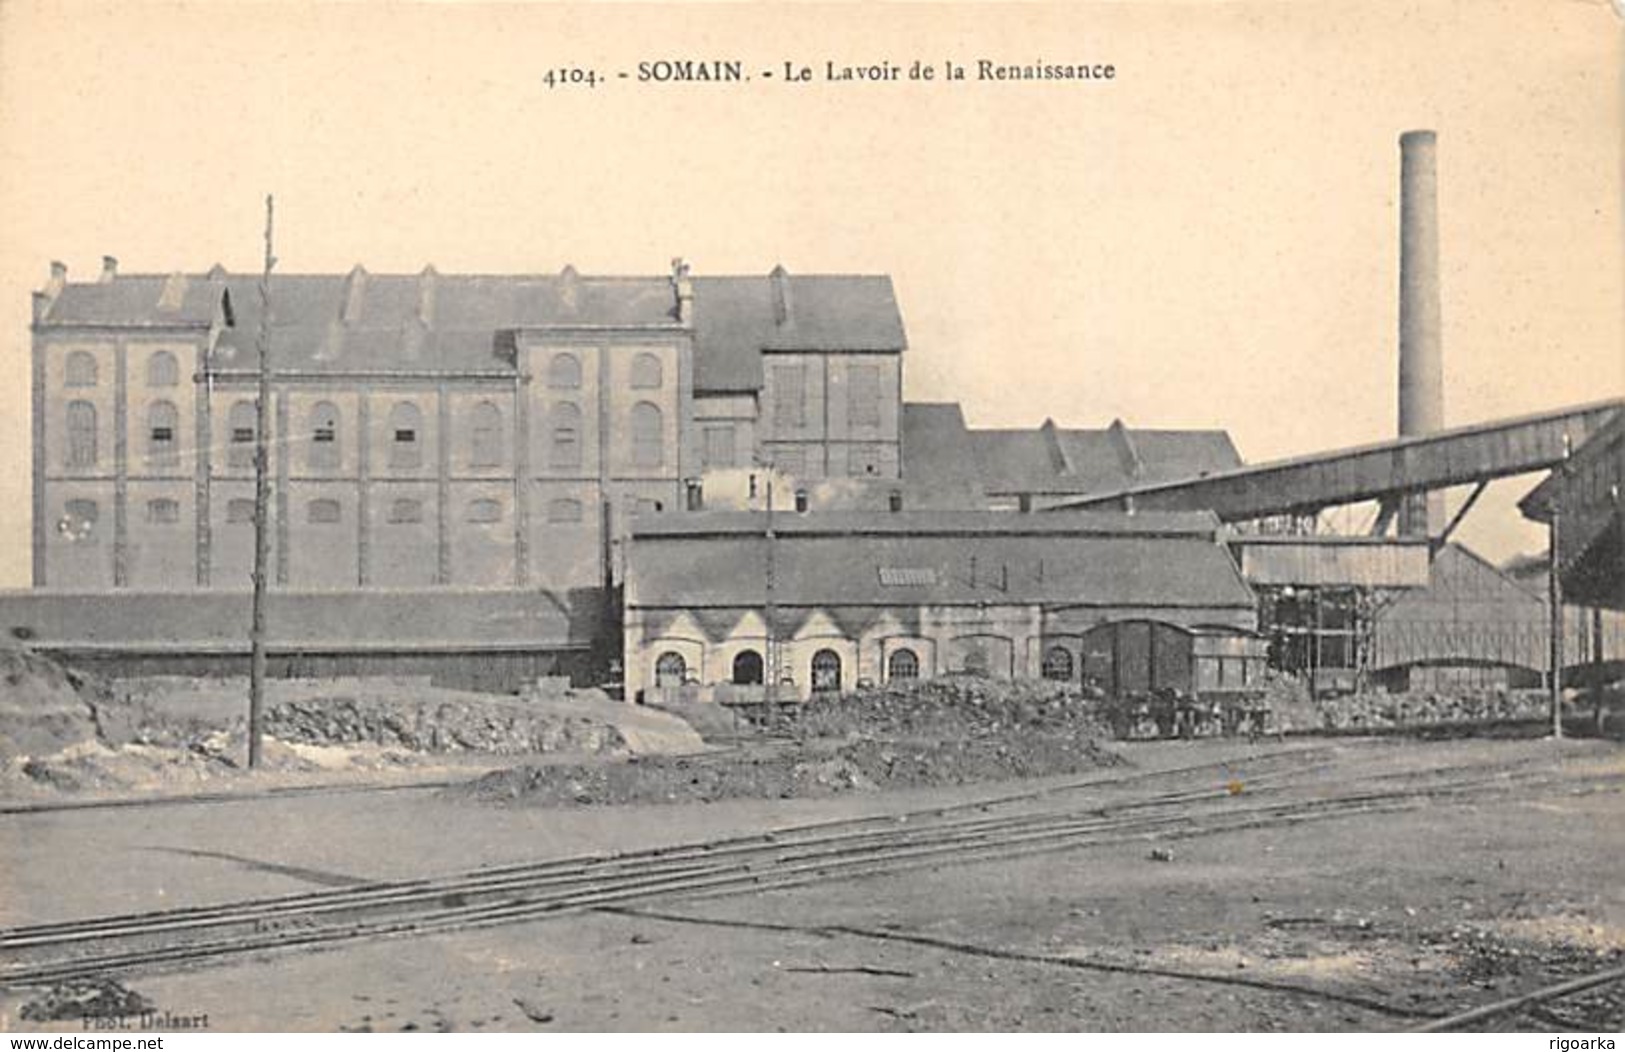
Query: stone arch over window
[[485, 510], [564, 372], [243, 420], [324, 511], [670, 669], [324, 436], [485, 436], [163, 370], [1058, 664], [903, 664], [80, 369], [648, 439], [826, 671], [81, 435], [566, 452], [564, 509], [405, 435], [747, 670], [647, 372], [163, 435]]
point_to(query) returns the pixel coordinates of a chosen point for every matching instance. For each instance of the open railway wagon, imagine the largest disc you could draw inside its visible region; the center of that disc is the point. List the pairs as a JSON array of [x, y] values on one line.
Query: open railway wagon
[[1160, 680]]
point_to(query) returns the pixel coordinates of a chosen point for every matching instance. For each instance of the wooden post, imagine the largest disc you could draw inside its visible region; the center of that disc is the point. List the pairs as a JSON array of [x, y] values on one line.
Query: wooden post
[[262, 507]]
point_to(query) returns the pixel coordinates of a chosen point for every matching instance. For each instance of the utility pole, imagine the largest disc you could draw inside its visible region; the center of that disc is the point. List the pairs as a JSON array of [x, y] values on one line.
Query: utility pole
[[1554, 590], [262, 507], [771, 604]]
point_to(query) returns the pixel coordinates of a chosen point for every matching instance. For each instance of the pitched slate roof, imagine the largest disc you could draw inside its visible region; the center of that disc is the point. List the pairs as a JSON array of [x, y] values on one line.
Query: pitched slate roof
[[735, 320], [1058, 460], [376, 322], [835, 560]]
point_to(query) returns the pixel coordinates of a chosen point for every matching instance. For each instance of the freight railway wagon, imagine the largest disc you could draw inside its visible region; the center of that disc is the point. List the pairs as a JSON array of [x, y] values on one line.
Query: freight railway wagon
[[1165, 680]]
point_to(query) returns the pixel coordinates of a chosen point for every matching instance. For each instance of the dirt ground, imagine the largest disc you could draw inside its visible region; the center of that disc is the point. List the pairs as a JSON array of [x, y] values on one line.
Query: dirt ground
[[1379, 920]]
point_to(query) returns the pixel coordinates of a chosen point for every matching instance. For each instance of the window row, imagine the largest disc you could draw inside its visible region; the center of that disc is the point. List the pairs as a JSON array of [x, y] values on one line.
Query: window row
[[789, 395], [162, 448], [79, 517], [405, 436], [81, 370], [564, 372]]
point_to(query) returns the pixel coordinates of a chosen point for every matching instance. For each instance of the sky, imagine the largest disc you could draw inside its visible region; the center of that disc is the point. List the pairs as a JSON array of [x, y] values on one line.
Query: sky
[[1209, 239]]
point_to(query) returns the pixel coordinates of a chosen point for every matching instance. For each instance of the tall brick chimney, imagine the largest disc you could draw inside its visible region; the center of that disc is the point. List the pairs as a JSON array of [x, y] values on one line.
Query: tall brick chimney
[[1421, 362]]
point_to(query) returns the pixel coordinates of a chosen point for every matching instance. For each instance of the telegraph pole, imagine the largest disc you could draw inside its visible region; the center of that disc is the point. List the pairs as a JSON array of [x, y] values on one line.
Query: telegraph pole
[[262, 506], [769, 643], [1554, 589]]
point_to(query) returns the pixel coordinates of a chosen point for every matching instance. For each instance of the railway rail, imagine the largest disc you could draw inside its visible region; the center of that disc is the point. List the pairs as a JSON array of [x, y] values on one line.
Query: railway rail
[[1279, 790]]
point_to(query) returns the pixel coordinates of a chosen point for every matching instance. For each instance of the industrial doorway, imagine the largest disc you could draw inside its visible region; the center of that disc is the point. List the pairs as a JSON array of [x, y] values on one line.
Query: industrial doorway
[[826, 672]]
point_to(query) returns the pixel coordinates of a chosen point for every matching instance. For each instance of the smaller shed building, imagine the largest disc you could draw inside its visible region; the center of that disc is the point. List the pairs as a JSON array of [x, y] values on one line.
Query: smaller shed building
[[856, 597]]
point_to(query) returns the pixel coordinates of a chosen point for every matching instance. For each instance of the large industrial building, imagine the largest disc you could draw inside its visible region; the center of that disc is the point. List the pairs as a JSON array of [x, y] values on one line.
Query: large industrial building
[[491, 478]]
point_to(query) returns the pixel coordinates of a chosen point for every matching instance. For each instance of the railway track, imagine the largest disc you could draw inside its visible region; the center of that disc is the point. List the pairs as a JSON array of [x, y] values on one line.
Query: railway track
[[984, 830]]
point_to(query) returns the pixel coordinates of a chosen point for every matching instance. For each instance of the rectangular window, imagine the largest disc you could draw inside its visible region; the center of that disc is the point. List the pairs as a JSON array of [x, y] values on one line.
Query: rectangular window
[[240, 510], [863, 395], [719, 446], [405, 511], [789, 396], [324, 512], [163, 512]]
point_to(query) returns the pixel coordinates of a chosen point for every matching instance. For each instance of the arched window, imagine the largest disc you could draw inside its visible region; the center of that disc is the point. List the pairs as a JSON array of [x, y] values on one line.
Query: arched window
[[323, 512], [646, 372], [324, 436], [670, 669], [747, 668], [81, 435], [485, 511], [976, 661], [564, 510], [163, 511], [163, 370], [485, 450], [405, 436], [405, 509], [80, 369], [242, 420], [826, 671], [566, 436], [1058, 664], [163, 445], [903, 664], [564, 372], [648, 450]]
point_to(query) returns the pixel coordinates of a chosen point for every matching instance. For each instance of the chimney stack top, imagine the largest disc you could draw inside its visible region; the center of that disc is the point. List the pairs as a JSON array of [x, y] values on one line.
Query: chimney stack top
[[683, 288], [109, 268], [781, 294]]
